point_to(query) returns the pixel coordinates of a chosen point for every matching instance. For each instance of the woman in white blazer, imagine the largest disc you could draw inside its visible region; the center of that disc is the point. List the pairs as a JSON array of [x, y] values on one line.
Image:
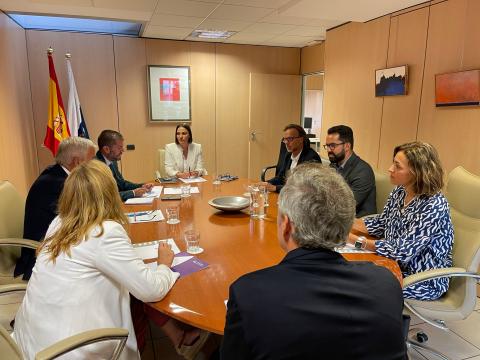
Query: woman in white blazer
[[86, 268], [183, 158]]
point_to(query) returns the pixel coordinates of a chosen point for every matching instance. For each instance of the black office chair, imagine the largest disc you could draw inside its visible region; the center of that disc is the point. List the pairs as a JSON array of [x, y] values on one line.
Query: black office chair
[[281, 155]]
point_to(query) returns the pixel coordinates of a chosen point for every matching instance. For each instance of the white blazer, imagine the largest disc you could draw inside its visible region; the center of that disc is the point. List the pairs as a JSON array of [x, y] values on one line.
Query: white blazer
[[174, 159], [86, 291]]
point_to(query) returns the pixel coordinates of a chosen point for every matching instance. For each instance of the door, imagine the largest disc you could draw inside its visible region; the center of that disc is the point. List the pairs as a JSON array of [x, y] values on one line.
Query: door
[[275, 101]]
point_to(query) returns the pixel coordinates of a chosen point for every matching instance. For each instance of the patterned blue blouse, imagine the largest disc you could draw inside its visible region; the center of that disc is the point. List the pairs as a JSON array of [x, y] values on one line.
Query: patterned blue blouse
[[419, 237]]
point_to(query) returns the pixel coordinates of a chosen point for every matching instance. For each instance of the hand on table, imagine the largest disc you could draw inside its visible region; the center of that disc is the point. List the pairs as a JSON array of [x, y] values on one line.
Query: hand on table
[[138, 192], [165, 254], [268, 186], [148, 186]]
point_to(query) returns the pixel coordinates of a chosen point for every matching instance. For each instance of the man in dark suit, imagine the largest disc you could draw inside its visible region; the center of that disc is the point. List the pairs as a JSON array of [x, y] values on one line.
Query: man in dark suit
[[315, 304], [298, 150], [357, 173], [110, 150], [42, 199]]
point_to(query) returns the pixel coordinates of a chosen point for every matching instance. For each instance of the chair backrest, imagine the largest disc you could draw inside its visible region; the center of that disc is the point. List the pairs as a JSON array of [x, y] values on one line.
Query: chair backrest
[[161, 163], [383, 188], [463, 194], [8, 347], [12, 212]]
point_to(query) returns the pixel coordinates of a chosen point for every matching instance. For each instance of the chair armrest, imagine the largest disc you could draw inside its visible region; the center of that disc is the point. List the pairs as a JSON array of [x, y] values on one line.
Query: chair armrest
[[85, 338], [20, 242], [264, 171], [435, 274], [6, 289]]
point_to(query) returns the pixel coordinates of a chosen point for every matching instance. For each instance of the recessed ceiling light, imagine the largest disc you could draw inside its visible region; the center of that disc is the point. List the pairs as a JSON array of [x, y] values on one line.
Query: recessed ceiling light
[[212, 34]]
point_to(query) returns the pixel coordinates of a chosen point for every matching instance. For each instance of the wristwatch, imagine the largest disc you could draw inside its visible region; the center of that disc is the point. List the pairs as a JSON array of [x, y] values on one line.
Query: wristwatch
[[361, 242]]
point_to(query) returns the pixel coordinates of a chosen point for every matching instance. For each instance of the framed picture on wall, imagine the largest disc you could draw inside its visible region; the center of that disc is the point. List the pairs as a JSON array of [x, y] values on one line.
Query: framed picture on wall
[[169, 93], [391, 81]]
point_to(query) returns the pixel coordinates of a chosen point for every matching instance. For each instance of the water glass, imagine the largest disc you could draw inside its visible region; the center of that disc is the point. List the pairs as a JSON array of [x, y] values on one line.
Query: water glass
[[257, 202], [192, 240], [185, 190], [172, 215], [264, 191]]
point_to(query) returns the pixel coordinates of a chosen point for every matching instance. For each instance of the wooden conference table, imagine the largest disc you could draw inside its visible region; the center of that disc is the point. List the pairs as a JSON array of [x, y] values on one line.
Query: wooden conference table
[[233, 245]]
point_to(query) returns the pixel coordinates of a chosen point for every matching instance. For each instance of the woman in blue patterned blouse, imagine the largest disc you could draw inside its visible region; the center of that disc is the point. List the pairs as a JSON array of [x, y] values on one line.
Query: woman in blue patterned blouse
[[414, 227]]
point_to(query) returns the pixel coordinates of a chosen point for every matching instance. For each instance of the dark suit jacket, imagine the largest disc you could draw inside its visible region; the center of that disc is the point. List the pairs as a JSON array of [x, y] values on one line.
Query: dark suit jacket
[[361, 179], [285, 161], [40, 210], [315, 305], [124, 187]]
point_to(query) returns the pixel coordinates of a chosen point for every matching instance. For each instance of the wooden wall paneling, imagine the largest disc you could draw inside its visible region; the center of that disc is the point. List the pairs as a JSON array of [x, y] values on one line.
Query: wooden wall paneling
[[314, 82], [18, 158], [408, 33], [139, 165], [452, 46], [313, 58], [352, 53], [94, 71], [234, 63], [131, 80]]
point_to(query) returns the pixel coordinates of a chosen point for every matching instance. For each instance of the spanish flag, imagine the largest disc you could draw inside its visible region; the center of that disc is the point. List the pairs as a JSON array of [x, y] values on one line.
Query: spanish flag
[[57, 126]]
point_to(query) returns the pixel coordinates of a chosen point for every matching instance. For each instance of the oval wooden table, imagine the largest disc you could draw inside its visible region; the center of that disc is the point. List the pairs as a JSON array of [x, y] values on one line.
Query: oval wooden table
[[233, 245]]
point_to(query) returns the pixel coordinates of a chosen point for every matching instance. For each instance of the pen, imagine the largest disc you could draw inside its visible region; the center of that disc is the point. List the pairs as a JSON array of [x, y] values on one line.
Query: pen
[[189, 173], [134, 214]]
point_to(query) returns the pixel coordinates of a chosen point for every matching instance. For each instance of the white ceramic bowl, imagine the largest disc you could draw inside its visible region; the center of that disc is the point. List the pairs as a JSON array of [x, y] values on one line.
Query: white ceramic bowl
[[229, 203]]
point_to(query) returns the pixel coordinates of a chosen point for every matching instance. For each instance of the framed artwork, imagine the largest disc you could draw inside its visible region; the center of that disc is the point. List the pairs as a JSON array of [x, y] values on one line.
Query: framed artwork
[[169, 93], [458, 88], [391, 81]]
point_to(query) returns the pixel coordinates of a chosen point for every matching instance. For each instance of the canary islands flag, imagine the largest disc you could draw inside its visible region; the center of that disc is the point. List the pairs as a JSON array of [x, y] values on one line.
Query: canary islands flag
[[76, 121], [57, 126]]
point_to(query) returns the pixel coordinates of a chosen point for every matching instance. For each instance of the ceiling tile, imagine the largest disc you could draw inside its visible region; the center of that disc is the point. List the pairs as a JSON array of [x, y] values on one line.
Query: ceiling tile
[[327, 24], [268, 4], [307, 31], [185, 8], [287, 40], [166, 32], [218, 24], [175, 20], [279, 19], [274, 29], [137, 5], [258, 37], [62, 2], [345, 10], [239, 13]]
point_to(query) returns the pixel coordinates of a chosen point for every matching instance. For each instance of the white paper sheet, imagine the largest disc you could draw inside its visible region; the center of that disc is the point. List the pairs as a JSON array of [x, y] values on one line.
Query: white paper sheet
[[154, 192], [193, 180], [176, 261], [149, 250], [348, 248], [138, 201], [145, 216], [178, 191]]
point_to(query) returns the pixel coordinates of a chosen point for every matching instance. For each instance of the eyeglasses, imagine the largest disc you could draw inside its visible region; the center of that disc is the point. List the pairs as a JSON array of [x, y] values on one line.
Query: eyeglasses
[[290, 139], [332, 146]]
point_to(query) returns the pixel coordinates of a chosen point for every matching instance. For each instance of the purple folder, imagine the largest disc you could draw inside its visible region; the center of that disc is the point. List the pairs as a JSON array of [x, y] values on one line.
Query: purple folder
[[190, 266]]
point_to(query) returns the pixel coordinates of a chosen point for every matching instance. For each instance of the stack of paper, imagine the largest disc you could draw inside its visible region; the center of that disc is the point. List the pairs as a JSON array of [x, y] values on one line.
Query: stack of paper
[[178, 191], [154, 192], [149, 250], [139, 201], [193, 180]]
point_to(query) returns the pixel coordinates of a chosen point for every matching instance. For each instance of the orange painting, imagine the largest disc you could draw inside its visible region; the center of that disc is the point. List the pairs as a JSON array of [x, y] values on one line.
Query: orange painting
[[458, 89]]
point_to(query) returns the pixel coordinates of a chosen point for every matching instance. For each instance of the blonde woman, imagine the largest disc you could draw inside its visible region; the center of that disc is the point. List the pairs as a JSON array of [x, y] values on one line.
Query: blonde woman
[[415, 227], [86, 268]]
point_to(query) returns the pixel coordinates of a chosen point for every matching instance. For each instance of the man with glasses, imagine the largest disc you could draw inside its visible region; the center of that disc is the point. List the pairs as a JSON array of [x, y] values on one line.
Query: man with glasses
[[110, 150], [297, 150], [356, 172]]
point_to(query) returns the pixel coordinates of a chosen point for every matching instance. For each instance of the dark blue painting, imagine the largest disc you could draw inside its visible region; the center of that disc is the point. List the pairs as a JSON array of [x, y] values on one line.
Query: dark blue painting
[[391, 81]]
